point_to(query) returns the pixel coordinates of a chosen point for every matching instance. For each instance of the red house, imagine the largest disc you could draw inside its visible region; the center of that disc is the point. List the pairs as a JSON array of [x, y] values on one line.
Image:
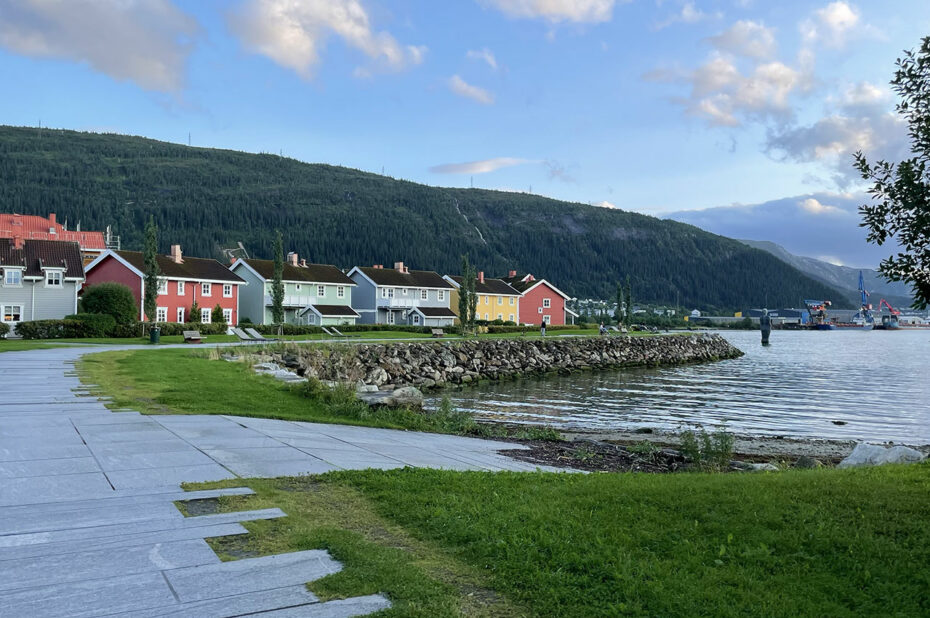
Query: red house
[[540, 301], [183, 281]]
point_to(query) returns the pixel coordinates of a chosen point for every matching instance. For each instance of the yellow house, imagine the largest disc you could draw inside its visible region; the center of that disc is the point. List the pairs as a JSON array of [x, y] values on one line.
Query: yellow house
[[496, 299]]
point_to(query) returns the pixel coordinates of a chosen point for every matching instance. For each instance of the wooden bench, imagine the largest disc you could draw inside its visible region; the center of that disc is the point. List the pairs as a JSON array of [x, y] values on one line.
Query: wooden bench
[[193, 336], [438, 332]]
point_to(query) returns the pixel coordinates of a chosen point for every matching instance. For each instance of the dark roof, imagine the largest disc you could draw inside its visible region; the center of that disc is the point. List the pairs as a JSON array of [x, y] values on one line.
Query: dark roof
[[312, 273], [38, 253], [436, 312], [190, 268], [409, 279], [519, 286], [335, 310], [490, 286]]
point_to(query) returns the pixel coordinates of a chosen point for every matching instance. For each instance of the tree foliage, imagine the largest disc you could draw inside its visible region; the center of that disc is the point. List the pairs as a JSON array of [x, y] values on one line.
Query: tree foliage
[[152, 271], [208, 199], [112, 299], [468, 297], [277, 282], [900, 207], [216, 316]]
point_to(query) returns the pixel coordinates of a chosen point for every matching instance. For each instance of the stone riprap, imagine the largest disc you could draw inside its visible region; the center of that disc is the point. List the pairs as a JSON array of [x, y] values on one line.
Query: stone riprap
[[435, 364]]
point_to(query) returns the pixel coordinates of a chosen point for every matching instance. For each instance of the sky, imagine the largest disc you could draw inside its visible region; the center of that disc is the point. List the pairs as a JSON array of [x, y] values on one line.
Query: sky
[[739, 116]]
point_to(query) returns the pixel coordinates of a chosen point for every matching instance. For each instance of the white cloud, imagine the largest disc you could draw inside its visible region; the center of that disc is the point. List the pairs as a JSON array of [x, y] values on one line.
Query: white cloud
[[484, 55], [746, 38], [477, 167], [462, 88], [815, 207], [689, 14], [555, 11], [831, 25], [292, 33], [143, 41]]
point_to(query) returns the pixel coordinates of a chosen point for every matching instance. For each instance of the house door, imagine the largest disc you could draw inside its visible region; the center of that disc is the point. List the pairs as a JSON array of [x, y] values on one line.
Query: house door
[[390, 317], [12, 315]]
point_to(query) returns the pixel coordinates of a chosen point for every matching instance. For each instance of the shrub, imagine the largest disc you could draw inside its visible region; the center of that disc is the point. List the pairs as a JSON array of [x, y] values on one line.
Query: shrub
[[113, 299], [4, 329], [216, 316], [307, 329], [93, 324], [520, 329], [707, 451], [245, 321]]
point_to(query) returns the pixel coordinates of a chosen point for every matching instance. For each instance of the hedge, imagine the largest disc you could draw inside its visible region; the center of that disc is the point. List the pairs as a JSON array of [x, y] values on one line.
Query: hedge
[[307, 329], [520, 329], [95, 324], [87, 326]]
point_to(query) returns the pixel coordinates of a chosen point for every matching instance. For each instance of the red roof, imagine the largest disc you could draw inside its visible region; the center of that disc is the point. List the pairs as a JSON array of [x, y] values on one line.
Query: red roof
[[31, 227]]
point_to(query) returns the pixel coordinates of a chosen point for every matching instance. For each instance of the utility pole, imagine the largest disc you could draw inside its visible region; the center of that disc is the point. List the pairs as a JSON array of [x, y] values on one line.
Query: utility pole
[[188, 139]]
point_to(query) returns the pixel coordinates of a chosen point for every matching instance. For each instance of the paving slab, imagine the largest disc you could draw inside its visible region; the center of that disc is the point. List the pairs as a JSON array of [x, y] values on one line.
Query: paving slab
[[144, 477], [343, 608], [48, 467], [249, 603], [37, 489]]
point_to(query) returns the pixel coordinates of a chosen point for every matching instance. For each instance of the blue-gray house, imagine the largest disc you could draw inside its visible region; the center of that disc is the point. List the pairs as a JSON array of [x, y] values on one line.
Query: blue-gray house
[[401, 296]]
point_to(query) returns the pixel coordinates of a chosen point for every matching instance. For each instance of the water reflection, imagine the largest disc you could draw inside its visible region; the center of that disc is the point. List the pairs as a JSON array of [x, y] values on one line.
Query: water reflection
[[834, 384]]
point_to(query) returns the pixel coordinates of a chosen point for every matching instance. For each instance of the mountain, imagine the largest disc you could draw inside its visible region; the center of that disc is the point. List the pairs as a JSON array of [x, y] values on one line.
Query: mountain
[[206, 199], [842, 278]]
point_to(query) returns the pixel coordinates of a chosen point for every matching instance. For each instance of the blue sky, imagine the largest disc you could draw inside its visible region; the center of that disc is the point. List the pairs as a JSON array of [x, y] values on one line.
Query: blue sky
[[743, 110]]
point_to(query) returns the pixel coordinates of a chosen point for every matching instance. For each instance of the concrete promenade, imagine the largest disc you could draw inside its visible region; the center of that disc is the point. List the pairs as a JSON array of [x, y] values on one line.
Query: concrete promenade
[[87, 521]]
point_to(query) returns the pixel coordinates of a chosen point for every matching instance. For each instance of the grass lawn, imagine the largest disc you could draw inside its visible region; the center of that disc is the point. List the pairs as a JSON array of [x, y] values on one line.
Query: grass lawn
[[438, 543]]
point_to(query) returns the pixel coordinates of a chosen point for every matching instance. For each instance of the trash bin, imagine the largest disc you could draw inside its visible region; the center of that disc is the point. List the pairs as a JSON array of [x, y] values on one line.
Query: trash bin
[[155, 335]]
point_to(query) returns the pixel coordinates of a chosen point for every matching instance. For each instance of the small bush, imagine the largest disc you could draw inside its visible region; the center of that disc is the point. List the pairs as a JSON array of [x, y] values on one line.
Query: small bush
[[534, 327], [307, 329], [4, 329], [93, 324], [707, 451], [644, 448], [216, 316], [113, 299]]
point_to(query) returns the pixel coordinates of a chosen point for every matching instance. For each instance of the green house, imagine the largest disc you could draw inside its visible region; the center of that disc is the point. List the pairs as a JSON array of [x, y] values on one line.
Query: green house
[[315, 294]]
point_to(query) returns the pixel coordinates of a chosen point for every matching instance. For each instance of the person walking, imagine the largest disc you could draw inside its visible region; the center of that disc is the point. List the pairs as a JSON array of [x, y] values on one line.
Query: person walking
[[542, 329]]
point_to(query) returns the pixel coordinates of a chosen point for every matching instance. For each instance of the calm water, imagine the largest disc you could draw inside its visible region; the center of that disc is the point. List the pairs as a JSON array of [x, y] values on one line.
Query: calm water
[[877, 383]]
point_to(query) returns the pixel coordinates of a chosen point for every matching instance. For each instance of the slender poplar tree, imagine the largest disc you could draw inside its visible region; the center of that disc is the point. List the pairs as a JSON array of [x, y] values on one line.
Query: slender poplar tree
[[464, 305], [277, 281], [152, 272]]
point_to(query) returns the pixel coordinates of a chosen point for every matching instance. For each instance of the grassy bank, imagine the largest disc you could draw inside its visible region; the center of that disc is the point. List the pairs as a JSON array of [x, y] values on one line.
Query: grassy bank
[[800, 543]]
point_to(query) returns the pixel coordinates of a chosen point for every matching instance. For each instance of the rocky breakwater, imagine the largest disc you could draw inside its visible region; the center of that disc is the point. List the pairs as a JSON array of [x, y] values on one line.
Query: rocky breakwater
[[386, 367]]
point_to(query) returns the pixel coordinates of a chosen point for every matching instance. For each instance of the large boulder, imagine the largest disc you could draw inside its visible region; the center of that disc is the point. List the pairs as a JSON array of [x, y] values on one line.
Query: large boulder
[[404, 397], [875, 455]]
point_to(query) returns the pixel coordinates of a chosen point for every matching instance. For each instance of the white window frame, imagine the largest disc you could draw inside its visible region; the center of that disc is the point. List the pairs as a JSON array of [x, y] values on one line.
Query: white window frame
[[384, 292], [390, 317], [416, 319], [180, 288], [297, 286], [539, 309], [511, 301], [12, 284], [487, 300], [8, 309], [511, 318], [547, 318], [161, 314], [162, 286], [60, 279], [441, 295], [228, 286], [424, 294], [227, 316], [205, 315], [500, 300], [404, 291], [206, 289], [341, 291], [500, 316], [320, 291], [547, 303], [179, 315], [311, 317]]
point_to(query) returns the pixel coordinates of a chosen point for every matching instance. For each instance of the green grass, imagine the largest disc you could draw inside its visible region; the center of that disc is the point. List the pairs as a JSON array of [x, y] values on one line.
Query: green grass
[[797, 543]]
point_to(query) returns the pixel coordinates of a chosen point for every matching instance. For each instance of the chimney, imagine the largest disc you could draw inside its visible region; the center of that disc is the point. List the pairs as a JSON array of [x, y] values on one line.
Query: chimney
[[17, 241], [480, 276], [176, 254], [51, 219], [399, 267], [512, 274], [292, 258], [378, 266], [303, 263]]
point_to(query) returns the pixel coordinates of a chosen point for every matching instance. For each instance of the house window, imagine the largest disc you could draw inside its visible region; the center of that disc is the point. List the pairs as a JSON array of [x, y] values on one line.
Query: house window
[[511, 318], [424, 294], [321, 290], [416, 319], [180, 315], [384, 292], [486, 317], [53, 279], [341, 292], [227, 316], [162, 287], [12, 276], [12, 313], [297, 286], [500, 300], [311, 318], [161, 314], [546, 318], [540, 310], [547, 302], [511, 301], [227, 290], [500, 316], [205, 290], [404, 291], [442, 295], [180, 288], [487, 300], [204, 316]]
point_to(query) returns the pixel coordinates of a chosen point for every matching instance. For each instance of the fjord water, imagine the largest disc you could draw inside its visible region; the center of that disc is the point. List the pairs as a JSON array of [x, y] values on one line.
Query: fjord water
[[831, 384]]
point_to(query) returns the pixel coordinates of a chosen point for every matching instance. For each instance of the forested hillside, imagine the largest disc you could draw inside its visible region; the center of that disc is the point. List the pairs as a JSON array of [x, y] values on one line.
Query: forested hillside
[[206, 199]]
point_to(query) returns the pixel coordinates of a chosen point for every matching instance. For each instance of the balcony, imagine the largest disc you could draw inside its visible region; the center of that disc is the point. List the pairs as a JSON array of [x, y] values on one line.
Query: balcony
[[292, 301], [396, 303]]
